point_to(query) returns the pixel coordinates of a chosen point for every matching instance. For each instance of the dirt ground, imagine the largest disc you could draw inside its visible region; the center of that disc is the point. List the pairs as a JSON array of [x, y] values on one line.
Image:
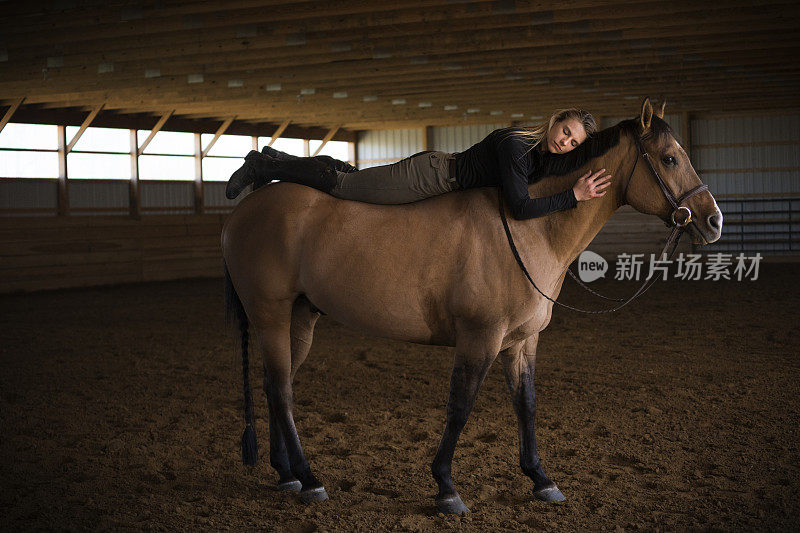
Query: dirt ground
[[120, 408]]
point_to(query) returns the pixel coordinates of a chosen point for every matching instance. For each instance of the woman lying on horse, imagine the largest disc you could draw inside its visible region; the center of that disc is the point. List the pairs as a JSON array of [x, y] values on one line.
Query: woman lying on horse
[[511, 158]]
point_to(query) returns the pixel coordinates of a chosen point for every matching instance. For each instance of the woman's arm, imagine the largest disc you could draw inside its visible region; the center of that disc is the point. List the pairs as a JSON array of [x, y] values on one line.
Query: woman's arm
[[514, 162]]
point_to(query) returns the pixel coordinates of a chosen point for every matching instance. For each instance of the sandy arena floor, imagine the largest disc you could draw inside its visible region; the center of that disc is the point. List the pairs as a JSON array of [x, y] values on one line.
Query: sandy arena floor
[[120, 409]]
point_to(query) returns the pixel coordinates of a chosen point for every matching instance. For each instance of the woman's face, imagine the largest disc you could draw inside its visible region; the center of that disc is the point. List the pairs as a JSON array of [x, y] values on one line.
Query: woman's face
[[565, 135]]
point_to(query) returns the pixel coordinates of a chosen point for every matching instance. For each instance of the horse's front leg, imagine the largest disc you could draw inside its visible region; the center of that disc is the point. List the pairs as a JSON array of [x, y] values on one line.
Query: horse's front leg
[[519, 362], [473, 355]]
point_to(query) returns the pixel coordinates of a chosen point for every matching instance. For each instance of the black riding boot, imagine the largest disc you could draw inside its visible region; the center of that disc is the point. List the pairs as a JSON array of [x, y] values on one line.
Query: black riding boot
[[335, 164], [259, 169]]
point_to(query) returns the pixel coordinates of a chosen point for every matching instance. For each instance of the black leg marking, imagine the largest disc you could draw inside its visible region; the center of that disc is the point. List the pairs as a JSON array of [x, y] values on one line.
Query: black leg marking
[[465, 381], [523, 397]]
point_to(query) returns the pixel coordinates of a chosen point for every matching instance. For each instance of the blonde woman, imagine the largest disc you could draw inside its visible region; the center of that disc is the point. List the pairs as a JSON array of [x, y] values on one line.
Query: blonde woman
[[510, 158]]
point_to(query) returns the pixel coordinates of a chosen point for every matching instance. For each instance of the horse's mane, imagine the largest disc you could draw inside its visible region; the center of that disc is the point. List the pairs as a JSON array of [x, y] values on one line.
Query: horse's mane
[[598, 144]]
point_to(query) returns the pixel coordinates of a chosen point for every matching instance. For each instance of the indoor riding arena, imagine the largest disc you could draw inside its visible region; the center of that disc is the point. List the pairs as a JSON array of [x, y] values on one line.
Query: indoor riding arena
[[123, 403]]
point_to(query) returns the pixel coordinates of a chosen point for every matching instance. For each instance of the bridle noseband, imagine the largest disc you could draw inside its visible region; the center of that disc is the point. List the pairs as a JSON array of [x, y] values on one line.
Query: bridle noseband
[[681, 216]]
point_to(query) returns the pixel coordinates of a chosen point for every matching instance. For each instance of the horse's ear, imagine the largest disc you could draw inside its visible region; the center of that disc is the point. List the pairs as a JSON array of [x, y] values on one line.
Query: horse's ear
[[646, 116], [660, 113]]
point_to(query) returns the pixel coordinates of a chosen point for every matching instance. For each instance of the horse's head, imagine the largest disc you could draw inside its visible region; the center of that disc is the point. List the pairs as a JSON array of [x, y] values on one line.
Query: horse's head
[[662, 158]]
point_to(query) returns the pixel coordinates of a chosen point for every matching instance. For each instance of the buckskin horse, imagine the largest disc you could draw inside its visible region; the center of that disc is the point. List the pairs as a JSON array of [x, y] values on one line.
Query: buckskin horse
[[436, 272]]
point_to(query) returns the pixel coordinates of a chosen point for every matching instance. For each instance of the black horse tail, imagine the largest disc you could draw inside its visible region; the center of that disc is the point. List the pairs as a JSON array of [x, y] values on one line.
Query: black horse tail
[[234, 314]]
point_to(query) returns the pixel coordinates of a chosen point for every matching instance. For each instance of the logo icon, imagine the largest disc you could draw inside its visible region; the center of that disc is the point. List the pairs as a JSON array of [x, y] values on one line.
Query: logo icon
[[591, 266]]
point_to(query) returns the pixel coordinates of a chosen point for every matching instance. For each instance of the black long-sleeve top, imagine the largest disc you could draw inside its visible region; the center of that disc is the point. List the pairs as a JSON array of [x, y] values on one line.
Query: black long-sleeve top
[[505, 158]]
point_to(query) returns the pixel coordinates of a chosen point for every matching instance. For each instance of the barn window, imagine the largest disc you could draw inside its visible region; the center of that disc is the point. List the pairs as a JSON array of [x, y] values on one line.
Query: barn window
[[336, 149], [285, 144], [29, 151], [169, 156], [225, 156], [100, 153]]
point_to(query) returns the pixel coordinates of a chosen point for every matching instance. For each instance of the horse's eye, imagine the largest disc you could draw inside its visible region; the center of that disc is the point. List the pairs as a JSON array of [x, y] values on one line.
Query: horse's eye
[[669, 160]]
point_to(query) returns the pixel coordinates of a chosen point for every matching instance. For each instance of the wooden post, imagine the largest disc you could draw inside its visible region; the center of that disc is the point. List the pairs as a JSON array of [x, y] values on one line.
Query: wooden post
[[352, 153], [134, 201], [199, 190], [63, 191], [10, 112], [306, 148]]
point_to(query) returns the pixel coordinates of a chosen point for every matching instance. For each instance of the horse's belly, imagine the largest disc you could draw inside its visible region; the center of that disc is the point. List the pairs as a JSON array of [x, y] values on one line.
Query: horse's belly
[[377, 313]]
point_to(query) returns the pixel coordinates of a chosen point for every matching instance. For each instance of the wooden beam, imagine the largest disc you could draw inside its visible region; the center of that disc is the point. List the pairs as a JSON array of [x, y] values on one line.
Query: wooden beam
[[10, 112], [222, 129], [134, 197], [279, 132], [69, 116], [63, 191], [160, 124], [328, 137], [83, 127]]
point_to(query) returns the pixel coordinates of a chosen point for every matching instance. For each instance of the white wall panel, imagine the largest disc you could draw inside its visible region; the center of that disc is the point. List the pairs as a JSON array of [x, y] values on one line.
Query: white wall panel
[[381, 147], [170, 194], [28, 194], [88, 197], [215, 200], [459, 138], [758, 157], [765, 152]]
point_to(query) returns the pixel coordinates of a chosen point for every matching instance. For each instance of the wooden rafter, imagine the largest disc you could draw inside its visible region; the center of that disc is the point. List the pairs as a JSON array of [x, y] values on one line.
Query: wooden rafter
[[279, 132], [222, 129], [75, 138], [160, 124], [516, 59], [328, 137], [10, 112]]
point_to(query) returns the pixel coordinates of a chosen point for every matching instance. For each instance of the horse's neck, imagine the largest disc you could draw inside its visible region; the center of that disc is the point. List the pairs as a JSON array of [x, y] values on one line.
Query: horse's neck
[[568, 233]]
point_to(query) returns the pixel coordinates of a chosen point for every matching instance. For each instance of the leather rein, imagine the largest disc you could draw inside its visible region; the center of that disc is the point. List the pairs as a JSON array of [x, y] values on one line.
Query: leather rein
[[681, 216]]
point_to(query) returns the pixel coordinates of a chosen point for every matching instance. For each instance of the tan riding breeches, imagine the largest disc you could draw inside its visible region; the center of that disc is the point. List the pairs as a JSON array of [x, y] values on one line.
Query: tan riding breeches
[[409, 180]]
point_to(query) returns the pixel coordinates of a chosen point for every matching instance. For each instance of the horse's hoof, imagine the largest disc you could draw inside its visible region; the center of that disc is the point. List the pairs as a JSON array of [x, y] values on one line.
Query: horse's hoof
[[451, 505], [549, 494], [313, 495], [292, 485]]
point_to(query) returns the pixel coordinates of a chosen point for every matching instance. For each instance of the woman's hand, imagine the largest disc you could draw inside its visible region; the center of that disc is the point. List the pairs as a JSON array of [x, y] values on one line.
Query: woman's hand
[[591, 185]]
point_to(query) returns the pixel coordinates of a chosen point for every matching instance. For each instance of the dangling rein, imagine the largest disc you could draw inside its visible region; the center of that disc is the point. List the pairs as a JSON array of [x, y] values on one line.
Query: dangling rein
[[678, 227]]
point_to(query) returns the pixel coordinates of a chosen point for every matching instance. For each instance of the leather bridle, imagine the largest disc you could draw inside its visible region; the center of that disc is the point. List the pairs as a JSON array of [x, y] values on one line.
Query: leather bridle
[[681, 216]]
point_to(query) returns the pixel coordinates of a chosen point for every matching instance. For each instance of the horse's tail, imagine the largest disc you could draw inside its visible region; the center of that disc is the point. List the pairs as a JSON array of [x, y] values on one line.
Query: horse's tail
[[234, 314]]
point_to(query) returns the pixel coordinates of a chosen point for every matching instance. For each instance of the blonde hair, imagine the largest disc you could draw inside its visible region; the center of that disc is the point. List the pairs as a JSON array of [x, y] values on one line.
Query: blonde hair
[[535, 135]]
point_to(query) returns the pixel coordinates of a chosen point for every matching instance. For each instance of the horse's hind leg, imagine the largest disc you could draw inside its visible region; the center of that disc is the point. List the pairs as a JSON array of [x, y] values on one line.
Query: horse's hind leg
[[302, 331], [274, 335], [519, 363]]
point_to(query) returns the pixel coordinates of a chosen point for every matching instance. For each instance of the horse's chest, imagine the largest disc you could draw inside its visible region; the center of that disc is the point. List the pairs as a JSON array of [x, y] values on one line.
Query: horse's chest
[[533, 322]]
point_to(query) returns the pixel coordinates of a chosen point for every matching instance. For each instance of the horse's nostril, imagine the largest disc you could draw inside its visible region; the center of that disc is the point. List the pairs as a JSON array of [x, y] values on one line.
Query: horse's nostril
[[715, 221]]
